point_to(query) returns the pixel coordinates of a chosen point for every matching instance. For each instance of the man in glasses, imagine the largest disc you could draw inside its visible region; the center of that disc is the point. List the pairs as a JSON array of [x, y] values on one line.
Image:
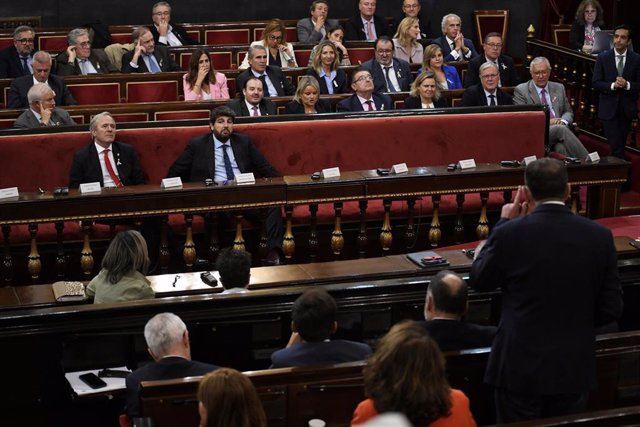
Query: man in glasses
[[411, 9], [163, 32], [364, 98], [274, 82], [16, 60], [492, 47], [80, 59], [146, 57], [487, 93], [389, 74]]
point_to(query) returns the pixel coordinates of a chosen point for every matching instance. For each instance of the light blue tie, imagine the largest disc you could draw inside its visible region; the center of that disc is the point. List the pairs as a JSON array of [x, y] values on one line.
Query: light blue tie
[[153, 65]]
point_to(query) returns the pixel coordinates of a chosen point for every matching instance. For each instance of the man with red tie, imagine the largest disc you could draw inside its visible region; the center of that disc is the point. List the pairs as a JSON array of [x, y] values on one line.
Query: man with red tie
[[252, 103], [364, 98]]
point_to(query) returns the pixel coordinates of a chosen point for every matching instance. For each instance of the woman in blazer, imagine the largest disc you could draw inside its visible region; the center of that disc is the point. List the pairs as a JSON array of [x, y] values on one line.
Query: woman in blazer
[[331, 78], [425, 93], [307, 98], [405, 41], [587, 23], [446, 75], [202, 81], [279, 52]]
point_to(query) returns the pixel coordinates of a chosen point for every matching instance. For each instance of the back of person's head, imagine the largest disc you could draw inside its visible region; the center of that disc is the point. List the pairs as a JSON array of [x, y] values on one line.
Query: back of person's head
[[164, 333], [234, 268], [126, 253], [406, 374], [314, 315], [546, 178], [449, 293], [228, 398]]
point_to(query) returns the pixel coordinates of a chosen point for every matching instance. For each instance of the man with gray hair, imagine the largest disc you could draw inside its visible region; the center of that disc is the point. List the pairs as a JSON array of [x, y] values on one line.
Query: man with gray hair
[[42, 110], [454, 46], [165, 33], [80, 59], [16, 60], [539, 90], [168, 345], [487, 93], [273, 80], [146, 57]]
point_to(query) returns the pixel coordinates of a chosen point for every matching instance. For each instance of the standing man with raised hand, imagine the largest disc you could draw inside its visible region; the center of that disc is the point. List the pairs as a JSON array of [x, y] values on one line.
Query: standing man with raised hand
[[315, 28], [165, 33]]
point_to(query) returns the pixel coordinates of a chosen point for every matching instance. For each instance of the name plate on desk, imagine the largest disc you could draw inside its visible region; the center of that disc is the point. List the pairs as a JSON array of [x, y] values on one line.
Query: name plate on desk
[[467, 164], [171, 182], [529, 159], [245, 178], [400, 168], [7, 193], [594, 157], [90, 187], [331, 173]]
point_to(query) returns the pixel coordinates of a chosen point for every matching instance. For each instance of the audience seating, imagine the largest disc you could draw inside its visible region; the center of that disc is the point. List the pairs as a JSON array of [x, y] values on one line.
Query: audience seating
[[95, 93], [161, 91], [561, 34], [227, 36]]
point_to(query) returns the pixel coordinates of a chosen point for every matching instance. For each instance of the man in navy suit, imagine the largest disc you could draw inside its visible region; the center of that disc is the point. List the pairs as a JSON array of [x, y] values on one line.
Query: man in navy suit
[[16, 60], [165, 33], [487, 93], [274, 82], [389, 74], [492, 47], [252, 102], [366, 25], [313, 321], [616, 76], [146, 57], [364, 98], [454, 46], [559, 279]]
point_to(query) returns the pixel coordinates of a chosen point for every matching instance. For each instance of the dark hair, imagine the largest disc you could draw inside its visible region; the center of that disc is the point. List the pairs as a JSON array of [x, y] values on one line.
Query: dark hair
[[596, 5], [194, 67], [546, 178], [450, 298], [492, 34], [336, 28], [234, 268], [315, 3], [252, 77], [314, 313], [623, 27], [406, 374], [356, 71], [221, 112], [385, 39], [127, 252]]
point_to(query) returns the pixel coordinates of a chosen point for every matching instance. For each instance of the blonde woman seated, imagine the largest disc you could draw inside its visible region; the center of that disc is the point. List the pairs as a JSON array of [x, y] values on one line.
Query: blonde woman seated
[[405, 41], [446, 75], [307, 98], [425, 93], [279, 52], [124, 267], [335, 35], [326, 70], [202, 82], [227, 397]]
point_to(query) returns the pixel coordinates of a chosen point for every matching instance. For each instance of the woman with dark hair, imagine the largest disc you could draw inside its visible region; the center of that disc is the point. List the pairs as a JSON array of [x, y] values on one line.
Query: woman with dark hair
[[307, 98], [406, 41], [202, 81], [335, 36], [274, 39], [425, 93], [124, 267], [226, 397], [447, 76], [588, 22], [326, 70], [406, 374]]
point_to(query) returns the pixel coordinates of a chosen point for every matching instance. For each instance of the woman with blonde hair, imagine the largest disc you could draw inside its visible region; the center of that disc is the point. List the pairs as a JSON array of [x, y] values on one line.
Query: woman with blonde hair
[[202, 81], [279, 52], [326, 70], [425, 93], [307, 98], [446, 75], [405, 41]]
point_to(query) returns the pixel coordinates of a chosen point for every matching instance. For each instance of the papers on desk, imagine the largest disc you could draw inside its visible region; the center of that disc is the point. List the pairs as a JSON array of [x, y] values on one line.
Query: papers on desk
[[82, 389]]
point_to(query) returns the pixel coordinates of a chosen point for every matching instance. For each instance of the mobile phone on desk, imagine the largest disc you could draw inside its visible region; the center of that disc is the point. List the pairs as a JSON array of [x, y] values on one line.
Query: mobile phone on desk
[[92, 380]]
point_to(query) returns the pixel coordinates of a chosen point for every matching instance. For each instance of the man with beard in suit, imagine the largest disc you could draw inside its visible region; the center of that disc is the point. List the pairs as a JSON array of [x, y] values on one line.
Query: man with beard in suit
[[252, 103]]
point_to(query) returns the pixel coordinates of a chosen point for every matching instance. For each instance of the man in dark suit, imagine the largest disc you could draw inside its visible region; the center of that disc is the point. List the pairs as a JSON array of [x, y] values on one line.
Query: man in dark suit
[[80, 59], [315, 28], [411, 9], [167, 340], [20, 86], [454, 46], [273, 80], [366, 25], [487, 93], [389, 74], [16, 60], [146, 57], [163, 32], [445, 305], [559, 281], [616, 76], [313, 321], [252, 103], [42, 111], [492, 53], [208, 157], [364, 98]]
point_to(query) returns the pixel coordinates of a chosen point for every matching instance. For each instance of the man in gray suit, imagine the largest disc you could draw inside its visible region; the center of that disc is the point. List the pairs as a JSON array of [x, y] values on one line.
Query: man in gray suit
[[80, 59], [315, 28], [539, 90], [42, 109]]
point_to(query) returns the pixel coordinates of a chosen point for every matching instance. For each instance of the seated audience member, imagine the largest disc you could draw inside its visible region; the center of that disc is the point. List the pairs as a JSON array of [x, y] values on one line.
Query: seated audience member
[[588, 22], [252, 102], [389, 74], [42, 110], [315, 28], [80, 59], [487, 93], [446, 75], [227, 397], [539, 90], [406, 374], [335, 35], [366, 25], [168, 345], [454, 46], [163, 32], [425, 93], [273, 80], [445, 304], [331, 78], [274, 40], [146, 57], [405, 40], [202, 82], [124, 267], [207, 157], [364, 98], [313, 321], [307, 98], [411, 9], [234, 268], [16, 60], [492, 47], [17, 97]]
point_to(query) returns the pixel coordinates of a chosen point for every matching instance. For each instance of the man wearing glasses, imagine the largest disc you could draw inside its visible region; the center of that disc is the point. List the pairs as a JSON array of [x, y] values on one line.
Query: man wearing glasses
[[364, 98], [165, 33], [389, 74], [492, 53], [17, 60], [411, 9], [487, 93], [80, 59]]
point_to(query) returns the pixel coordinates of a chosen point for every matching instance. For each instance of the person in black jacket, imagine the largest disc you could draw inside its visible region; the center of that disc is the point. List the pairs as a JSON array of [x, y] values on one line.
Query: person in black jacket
[[492, 47], [588, 21], [307, 98], [487, 93], [15, 61], [326, 70], [366, 25], [425, 93], [165, 33]]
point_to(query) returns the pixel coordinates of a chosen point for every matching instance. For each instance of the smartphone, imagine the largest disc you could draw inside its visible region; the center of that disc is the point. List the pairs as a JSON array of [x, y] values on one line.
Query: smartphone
[[92, 380]]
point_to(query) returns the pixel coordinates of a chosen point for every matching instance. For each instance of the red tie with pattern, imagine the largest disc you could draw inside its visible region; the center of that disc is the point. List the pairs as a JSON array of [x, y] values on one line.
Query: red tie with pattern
[[369, 106], [112, 173]]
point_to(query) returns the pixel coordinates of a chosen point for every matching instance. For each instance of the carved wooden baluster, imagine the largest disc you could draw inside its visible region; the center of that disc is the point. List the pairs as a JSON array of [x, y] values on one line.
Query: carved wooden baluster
[[575, 199], [61, 259], [289, 243], [410, 233], [386, 237], [34, 265], [363, 239], [164, 257], [86, 256], [435, 234], [263, 243], [337, 239], [214, 241], [7, 259], [458, 229], [313, 232], [189, 251], [238, 241], [482, 230]]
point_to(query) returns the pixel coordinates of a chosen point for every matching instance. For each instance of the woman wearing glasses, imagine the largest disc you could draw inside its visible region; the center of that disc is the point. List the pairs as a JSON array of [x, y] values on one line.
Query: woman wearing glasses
[[587, 23], [280, 52]]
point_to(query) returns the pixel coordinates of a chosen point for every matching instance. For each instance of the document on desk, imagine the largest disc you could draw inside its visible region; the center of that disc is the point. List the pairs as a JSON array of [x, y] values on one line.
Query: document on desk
[[81, 388]]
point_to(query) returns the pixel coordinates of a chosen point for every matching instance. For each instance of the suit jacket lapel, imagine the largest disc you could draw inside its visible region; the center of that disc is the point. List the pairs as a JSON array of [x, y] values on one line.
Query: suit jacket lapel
[[239, 154], [93, 168], [159, 58], [275, 82]]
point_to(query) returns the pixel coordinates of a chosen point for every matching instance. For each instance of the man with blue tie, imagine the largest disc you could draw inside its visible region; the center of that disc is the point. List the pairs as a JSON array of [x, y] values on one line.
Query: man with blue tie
[[16, 60], [616, 76], [146, 57]]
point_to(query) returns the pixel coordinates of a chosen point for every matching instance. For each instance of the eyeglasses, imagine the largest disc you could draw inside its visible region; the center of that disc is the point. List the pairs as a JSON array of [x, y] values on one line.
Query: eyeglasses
[[162, 13], [494, 45], [364, 79], [272, 37], [541, 73], [25, 41], [85, 44], [489, 76], [590, 11], [384, 51]]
